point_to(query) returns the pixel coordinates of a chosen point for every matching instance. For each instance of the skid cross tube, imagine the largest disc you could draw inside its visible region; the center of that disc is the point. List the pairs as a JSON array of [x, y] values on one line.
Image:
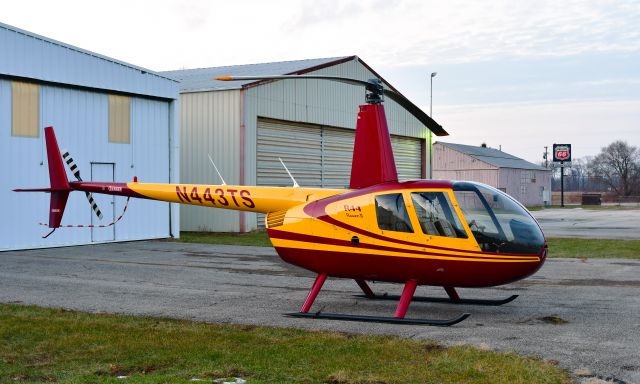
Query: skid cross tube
[[365, 288]]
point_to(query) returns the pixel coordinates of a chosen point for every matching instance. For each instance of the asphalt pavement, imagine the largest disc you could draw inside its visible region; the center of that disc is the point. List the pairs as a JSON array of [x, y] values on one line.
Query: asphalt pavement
[[590, 223], [581, 313]]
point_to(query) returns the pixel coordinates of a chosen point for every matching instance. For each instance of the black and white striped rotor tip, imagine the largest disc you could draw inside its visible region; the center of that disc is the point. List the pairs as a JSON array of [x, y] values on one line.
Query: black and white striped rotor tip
[[76, 172]]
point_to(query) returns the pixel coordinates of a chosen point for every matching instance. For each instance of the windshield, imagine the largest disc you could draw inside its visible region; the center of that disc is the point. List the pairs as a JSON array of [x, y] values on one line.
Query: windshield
[[497, 221]]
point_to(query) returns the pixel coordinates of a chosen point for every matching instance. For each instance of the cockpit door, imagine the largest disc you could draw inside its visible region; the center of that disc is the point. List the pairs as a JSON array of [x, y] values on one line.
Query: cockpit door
[[438, 220]]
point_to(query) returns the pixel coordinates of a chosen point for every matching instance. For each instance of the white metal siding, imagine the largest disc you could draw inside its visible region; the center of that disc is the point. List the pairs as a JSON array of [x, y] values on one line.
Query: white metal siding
[[210, 125], [80, 122], [526, 186]]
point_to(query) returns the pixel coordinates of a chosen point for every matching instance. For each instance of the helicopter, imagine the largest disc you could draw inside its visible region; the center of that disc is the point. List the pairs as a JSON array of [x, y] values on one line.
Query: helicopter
[[442, 233]]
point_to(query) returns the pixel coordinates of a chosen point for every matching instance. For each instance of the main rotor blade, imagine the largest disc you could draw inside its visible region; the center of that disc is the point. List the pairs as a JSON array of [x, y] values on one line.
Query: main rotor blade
[[416, 112], [365, 84], [395, 96]]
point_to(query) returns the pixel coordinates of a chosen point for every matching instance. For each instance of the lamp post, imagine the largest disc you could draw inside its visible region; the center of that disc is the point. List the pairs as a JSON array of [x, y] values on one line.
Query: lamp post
[[433, 74]]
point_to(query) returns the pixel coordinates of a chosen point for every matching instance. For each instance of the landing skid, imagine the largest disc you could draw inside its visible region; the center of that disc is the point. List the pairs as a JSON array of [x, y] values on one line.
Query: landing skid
[[398, 318], [378, 319], [424, 299]]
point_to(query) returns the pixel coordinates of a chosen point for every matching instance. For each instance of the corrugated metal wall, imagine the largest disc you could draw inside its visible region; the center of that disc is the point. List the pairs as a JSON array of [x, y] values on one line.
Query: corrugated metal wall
[[210, 124], [323, 103], [81, 126], [318, 102], [68, 79], [319, 156], [526, 186]]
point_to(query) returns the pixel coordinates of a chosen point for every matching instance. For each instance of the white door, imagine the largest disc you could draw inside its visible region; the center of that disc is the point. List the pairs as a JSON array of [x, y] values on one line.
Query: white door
[[103, 172]]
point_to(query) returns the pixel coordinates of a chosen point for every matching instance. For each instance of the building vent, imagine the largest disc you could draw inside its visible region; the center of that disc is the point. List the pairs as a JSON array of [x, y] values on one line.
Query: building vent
[[276, 219]]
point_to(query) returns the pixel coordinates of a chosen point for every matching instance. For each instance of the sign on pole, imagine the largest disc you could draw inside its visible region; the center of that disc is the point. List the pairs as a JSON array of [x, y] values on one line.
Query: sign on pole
[[562, 153]]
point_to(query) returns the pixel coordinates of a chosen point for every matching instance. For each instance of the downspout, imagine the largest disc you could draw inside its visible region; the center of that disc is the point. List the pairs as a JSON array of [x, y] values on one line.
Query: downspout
[[174, 156], [242, 216]]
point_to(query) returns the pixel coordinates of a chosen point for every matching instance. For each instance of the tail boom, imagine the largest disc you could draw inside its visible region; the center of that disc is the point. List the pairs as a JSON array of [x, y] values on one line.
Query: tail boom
[[234, 197]]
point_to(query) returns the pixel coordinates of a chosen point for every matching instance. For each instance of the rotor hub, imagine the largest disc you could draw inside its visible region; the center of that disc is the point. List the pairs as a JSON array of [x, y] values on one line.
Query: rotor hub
[[375, 92]]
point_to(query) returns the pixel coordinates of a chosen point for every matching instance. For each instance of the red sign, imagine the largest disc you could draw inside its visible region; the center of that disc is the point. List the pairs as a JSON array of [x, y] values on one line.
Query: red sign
[[561, 152]]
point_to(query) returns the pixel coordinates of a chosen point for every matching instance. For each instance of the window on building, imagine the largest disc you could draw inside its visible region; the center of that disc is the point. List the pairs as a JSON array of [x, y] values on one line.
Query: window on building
[[392, 213], [436, 215], [25, 109], [119, 119]]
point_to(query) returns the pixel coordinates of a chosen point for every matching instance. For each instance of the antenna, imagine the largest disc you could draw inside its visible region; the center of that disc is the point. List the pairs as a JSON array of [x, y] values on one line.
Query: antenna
[[216, 168], [295, 183]]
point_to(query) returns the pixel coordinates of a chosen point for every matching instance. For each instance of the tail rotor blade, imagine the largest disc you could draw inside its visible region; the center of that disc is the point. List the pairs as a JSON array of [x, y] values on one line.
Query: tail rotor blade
[[76, 172], [71, 164], [94, 205]]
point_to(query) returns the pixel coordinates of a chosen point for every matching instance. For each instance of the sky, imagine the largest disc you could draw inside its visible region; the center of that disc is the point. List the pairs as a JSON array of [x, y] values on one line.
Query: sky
[[519, 75]]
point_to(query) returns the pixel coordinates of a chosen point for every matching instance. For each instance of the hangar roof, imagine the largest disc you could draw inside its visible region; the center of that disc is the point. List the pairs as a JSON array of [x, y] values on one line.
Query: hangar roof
[[31, 56], [493, 156], [201, 79]]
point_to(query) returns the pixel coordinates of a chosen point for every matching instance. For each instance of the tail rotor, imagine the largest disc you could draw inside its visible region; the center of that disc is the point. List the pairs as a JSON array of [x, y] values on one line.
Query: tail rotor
[[76, 172]]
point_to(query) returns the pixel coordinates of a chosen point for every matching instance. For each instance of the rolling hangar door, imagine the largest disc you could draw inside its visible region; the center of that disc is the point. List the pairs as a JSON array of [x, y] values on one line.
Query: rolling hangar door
[[320, 156]]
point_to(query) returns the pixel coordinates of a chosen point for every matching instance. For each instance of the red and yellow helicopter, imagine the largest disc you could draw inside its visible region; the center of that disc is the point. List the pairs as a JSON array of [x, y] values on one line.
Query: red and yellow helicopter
[[422, 232]]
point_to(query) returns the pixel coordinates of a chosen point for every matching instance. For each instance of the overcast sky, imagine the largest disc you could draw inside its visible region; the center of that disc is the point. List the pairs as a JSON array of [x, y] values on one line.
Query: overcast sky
[[516, 74]]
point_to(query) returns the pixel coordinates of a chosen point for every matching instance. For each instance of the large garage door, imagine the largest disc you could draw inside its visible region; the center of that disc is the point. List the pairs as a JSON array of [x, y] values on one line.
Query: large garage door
[[337, 151], [319, 156], [300, 148], [407, 152]]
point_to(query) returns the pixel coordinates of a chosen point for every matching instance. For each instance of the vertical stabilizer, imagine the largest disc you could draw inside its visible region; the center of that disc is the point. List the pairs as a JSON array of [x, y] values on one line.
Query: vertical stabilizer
[[57, 174], [373, 161], [58, 178]]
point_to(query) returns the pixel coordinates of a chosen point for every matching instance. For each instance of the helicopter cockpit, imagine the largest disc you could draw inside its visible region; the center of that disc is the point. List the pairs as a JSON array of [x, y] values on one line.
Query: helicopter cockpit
[[497, 221]]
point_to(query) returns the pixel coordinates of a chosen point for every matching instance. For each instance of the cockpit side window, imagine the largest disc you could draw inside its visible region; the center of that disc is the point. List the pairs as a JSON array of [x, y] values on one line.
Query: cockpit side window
[[392, 213], [478, 217], [436, 215]]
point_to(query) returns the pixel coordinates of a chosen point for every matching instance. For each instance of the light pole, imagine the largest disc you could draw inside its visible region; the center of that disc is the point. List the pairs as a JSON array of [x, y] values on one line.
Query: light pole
[[433, 74]]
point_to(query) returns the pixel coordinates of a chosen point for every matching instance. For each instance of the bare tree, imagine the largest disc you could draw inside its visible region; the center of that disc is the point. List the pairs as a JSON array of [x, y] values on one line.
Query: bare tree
[[619, 166]]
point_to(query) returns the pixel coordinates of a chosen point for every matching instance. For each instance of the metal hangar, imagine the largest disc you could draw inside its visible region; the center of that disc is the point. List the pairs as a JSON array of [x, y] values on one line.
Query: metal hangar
[[526, 182], [117, 121], [246, 126]]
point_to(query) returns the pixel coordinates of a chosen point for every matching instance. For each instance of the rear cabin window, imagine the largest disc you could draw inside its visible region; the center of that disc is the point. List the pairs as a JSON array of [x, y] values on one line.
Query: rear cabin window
[[392, 213], [436, 215]]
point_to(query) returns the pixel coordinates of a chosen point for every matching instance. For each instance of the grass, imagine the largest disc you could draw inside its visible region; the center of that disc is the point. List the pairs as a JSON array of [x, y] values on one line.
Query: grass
[[256, 238], [594, 248], [55, 345]]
